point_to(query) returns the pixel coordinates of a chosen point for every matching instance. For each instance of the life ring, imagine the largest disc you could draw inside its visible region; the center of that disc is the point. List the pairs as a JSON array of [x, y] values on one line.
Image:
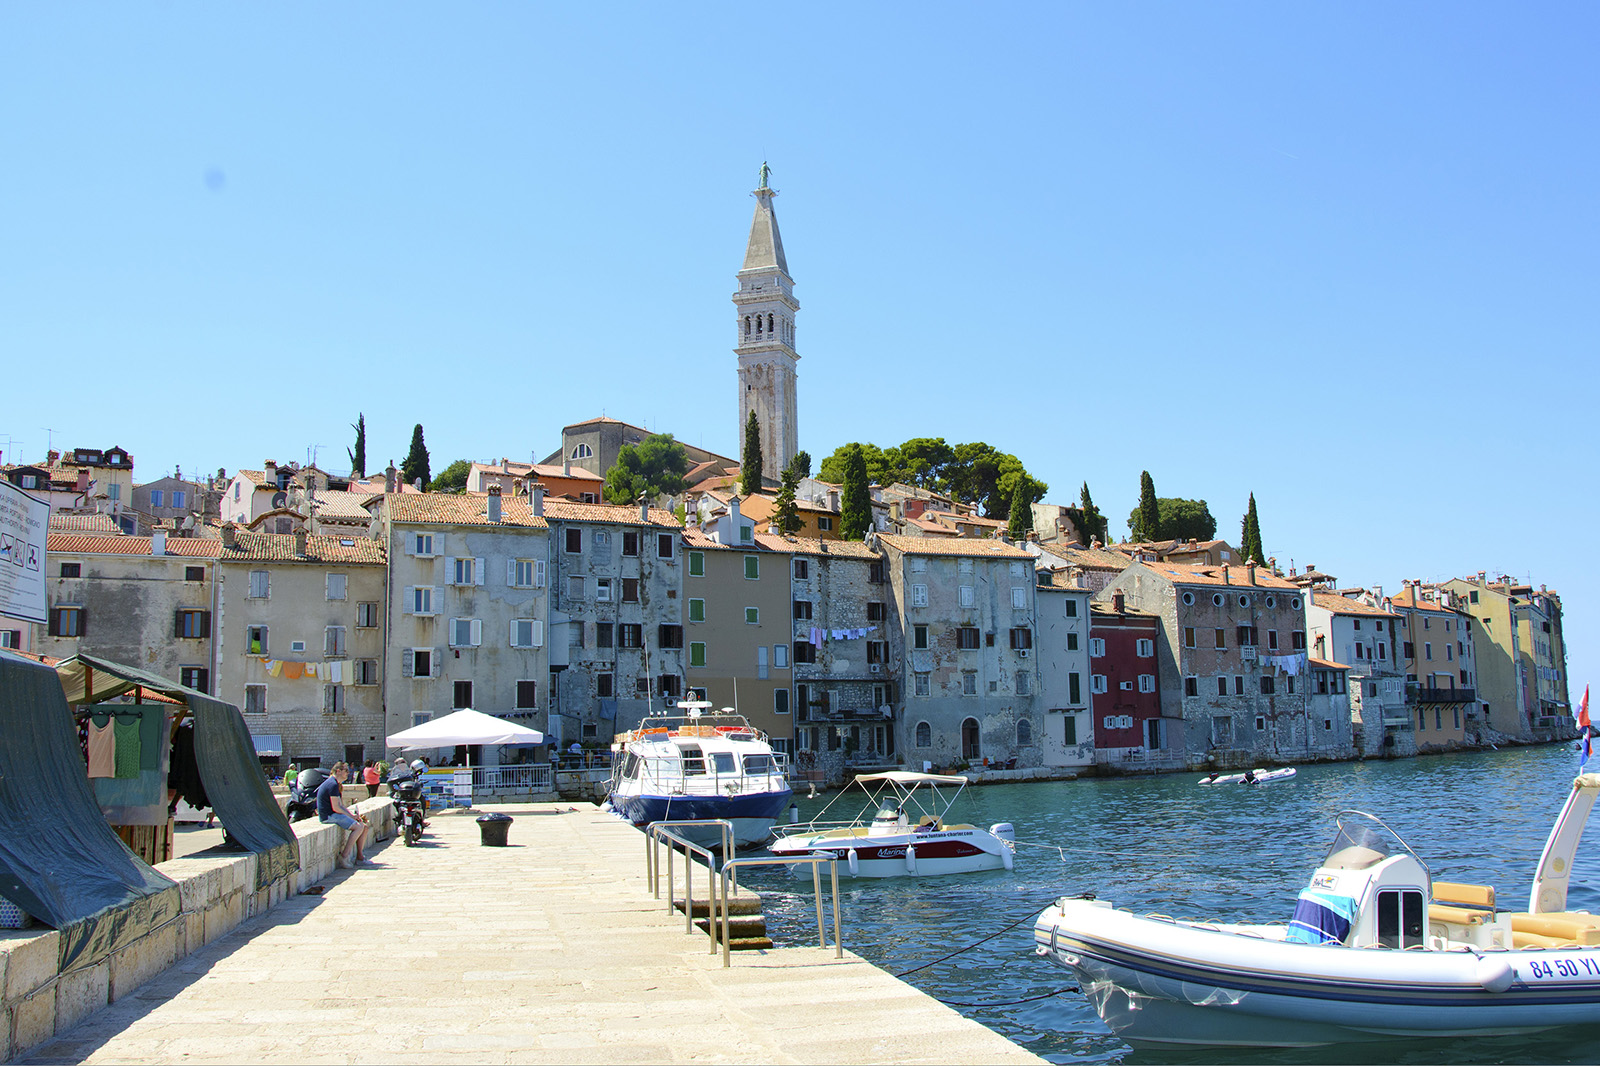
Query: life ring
[[855, 864], [911, 859]]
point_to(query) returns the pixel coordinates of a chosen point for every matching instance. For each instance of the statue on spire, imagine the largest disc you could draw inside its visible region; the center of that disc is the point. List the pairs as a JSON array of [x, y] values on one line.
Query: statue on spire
[[765, 171]]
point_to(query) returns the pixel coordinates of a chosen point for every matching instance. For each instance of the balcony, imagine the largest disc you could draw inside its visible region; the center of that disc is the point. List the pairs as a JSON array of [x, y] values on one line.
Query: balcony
[[1421, 694]]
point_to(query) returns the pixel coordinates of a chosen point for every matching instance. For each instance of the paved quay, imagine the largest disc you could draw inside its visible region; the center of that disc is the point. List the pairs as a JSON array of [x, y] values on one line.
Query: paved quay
[[551, 950]]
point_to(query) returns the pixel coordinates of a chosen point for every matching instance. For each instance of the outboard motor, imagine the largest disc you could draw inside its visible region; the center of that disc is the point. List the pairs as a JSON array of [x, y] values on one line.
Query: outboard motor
[[1008, 837], [303, 794]]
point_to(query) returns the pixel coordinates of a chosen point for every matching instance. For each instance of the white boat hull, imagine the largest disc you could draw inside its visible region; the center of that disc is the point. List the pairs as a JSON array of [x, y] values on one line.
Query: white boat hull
[[960, 851]]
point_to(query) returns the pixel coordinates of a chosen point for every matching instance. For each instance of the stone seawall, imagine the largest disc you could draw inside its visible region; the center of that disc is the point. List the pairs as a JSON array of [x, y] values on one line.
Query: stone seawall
[[217, 894]]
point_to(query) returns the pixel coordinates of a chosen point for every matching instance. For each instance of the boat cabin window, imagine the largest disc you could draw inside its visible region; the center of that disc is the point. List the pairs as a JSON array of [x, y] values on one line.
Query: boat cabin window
[[630, 766], [1356, 847], [1399, 918], [723, 762], [694, 760], [759, 764]]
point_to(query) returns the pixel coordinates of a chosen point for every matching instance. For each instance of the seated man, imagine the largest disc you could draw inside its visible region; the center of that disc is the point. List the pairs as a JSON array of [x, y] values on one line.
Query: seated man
[[331, 808]]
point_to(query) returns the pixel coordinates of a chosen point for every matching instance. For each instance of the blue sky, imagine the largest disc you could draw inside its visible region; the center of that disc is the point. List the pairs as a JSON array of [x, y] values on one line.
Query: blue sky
[[1341, 256]]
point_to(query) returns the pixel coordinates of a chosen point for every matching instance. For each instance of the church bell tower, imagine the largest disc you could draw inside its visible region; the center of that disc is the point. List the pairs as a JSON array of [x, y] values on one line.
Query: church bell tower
[[765, 307]]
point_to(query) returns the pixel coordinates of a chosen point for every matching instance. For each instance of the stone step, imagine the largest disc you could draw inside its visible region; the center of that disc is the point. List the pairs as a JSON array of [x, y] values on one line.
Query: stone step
[[740, 927], [740, 904]]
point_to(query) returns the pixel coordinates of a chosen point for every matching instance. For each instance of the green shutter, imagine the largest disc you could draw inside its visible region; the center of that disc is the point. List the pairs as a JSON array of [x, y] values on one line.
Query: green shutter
[[697, 564], [752, 567], [697, 654], [697, 610]]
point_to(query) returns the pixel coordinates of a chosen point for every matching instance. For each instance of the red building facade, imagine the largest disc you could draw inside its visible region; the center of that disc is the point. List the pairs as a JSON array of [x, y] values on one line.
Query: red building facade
[[1124, 684]]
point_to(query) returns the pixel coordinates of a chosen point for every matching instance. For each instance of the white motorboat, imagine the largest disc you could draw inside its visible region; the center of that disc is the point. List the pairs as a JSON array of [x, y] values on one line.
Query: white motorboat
[[1376, 950], [902, 831], [696, 767], [1250, 777]]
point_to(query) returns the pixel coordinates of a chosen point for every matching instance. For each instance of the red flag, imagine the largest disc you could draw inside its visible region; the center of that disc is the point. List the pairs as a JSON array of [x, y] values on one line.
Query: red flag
[[1583, 710]]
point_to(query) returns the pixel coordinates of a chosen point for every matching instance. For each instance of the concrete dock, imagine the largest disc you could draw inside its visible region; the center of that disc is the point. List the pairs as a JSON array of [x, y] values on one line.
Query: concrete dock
[[551, 950]]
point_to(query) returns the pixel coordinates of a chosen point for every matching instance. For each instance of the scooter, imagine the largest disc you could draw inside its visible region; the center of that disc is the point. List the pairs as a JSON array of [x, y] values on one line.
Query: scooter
[[303, 794], [407, 797]]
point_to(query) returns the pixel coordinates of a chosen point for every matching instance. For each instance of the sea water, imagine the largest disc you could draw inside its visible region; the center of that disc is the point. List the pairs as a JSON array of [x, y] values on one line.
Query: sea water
[[1164, 844]]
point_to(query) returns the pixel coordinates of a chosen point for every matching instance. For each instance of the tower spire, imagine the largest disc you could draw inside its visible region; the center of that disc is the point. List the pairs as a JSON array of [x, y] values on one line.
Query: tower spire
[[764, 308]]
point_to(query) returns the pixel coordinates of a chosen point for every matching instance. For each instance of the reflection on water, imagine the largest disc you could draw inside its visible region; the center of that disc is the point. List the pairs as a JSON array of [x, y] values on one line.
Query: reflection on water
[[1233, 853]]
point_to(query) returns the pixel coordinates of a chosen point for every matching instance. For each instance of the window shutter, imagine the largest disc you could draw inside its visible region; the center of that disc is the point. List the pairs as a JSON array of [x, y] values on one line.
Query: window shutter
[[177, 623], [477, 570], [538, 633], [408, 663], [436, 667], [435, 599], [408, 600], [477, 632], [511, 571], [450, 569], [511, 639], [205, 623], [538, 572]]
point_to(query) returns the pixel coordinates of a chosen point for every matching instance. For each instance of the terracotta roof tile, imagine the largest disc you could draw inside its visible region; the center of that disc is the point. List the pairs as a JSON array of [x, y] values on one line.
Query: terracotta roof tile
[[847, 549], [99, 544], [448, 509], [607, 512], [280, 548], [84, 523], [1187, 574], [932, 527], [954, 546], [1326, 664], [576, 473], [1330, 601], [1403, 599], [1089, 558]]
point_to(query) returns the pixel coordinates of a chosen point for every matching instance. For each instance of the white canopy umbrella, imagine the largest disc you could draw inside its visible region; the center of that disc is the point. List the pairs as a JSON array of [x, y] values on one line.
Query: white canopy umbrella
[[463, 727]]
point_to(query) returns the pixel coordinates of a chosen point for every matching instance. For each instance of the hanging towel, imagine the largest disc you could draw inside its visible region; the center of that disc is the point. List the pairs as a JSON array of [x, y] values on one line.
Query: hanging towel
[[127, 759], [816, 637], [274, 667], [294, 671], [102, 750], [336, 673], [311, 669]]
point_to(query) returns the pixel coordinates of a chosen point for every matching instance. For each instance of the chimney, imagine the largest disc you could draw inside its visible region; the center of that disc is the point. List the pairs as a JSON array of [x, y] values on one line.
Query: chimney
[[505, 465], [494, 504], [1377, 593], [1033, 536], [733, 513], [389, 482], [1194, 544], [894, 511], [1118, 604], [158, 542], [1225, 580], [833, 500], [51, 457], [566, 466], [1481, 576], [644, 507], [300, 542], [537, 489], [230, 538], [1094, 542], [1250, 572], [417, 484], [272, 470]]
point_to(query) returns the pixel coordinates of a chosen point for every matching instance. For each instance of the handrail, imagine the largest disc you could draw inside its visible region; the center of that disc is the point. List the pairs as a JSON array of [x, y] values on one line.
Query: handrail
[[658, 830], [730, 874], [652, 855]]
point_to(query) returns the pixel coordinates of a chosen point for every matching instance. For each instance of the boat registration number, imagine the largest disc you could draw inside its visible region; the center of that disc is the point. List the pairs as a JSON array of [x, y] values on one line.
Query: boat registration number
[[1558, 968]]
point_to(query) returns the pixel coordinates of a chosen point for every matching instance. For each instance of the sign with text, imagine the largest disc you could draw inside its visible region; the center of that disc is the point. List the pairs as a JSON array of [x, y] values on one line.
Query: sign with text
[[24, 524]]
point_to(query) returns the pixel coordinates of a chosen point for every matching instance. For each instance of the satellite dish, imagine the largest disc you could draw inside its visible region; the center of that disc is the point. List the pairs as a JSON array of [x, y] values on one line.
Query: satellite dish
[[279, 499]]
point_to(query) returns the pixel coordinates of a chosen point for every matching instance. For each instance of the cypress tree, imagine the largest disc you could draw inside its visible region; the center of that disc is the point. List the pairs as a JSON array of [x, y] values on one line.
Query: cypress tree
[[787, 513], [1251, 548], [750, 463], [1021, 511], [416, 464], [358, 454], [1094, 522], [855, 516], [1149, 526]]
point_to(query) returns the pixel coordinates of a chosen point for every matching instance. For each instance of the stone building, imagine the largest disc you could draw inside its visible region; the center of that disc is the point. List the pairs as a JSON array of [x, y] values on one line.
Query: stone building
[[764, 313], [1328, 733], [469, 609], [1358, 631], [846, 655], [736, 631], [593, 445], [1125, 686], [1067, 734], [1097, 565], [616, 616], [1521, 656], [145, 601], [1436, 653], [1232, 649], [966, 610], [300, 641]]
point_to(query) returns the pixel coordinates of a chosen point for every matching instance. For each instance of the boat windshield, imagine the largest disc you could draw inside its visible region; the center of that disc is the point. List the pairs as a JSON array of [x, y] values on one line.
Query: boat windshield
[[1357, 846]]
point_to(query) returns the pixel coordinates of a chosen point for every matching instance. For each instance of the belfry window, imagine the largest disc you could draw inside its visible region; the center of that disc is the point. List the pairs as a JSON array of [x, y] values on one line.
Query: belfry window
[[747, 325], [769, 323]]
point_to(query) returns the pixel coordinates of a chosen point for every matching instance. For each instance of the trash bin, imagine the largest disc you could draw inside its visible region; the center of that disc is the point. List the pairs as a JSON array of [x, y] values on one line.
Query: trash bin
[[494, 828]]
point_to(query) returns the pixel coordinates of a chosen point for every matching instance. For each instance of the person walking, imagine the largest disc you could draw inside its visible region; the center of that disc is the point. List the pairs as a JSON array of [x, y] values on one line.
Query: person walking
[[369, 777]]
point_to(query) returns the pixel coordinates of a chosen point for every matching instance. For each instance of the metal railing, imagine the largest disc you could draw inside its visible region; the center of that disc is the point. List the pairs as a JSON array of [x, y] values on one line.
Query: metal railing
[[654, 834], [535, 777], [730, 882]]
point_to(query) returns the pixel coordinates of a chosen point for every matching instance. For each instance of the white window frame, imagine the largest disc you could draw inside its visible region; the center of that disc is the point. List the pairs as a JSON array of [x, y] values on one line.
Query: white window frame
[[337, 586], [333, 642], [1147, 682], [968, 596], [534, 630], [474, 633], [1097, 683], [602, 590], [261, 704], [780, 656], [1145, 648], [419, 601], [1019, 597], [752, 616], [919, 595], [332, 699], [434, 666], [921, 683], [1097, 648], [260, 585], [423, 545]]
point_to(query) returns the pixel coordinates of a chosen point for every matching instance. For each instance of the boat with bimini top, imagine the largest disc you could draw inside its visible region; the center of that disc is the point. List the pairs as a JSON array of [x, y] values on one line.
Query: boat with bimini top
[[699, 766], [902, 831], [1376, 949]]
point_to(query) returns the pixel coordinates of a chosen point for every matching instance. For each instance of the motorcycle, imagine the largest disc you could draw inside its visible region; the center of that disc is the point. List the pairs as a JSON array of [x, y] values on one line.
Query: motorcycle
[[407, 797], [303, 794]]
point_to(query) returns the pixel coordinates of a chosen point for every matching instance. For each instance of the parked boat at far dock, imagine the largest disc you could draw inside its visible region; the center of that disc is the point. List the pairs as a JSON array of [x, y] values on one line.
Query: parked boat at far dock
[[1250, 777]]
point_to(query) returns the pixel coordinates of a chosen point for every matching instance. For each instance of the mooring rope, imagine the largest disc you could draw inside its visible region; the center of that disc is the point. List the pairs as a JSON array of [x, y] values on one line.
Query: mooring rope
[[1012, 1002], [943, 958]]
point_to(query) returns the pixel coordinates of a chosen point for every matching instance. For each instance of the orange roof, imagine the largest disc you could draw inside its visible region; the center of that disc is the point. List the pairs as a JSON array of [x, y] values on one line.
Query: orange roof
[[576, 473], [1195, 574], [280, 548], [1332, 601], [1326, 664], [849, 549], [1403, 599], [954, 546], [469, 509], [98, 544], [934, 528], [84, 523], [1089, 558], [628, 515]]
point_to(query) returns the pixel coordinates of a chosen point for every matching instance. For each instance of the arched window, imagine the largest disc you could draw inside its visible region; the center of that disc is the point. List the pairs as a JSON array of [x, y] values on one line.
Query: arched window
[[758, 325], [769, 323], [969, 739], [582, 451], [747, 325], [924, 735], [1024, 733]]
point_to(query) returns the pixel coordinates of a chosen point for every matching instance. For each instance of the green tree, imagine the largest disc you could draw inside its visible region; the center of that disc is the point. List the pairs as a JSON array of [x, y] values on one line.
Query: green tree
[[856, 507], [750, 462], [802, 463], [1250, 539], [1087, 519], [882, 467], [787, 515], [358, 454], [655, 467], [1021, 520], [453, 478], [1145, 522], [1180, 520], [416, 465], [924, 460]]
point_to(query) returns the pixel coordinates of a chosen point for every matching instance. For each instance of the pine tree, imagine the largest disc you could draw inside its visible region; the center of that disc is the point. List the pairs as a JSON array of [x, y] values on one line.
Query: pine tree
[[1251, 536], [855, 516], [750, 463], [802, 463], [416, 464], [1021, 511], [787, 515], [358, 454], [1149, 525]]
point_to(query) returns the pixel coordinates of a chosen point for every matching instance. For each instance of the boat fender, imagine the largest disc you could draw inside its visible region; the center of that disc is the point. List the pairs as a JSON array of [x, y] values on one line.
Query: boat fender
[[911, 859], [855, 864], [1495, 975]]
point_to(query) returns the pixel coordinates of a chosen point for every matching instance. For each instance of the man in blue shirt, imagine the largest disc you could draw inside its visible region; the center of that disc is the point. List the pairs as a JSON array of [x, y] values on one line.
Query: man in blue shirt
[[331, 808]]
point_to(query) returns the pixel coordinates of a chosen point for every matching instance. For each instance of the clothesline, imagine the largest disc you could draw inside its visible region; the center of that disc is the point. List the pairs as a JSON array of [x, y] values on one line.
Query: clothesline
[[335, 672], [820, 635], [1291, 665]]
